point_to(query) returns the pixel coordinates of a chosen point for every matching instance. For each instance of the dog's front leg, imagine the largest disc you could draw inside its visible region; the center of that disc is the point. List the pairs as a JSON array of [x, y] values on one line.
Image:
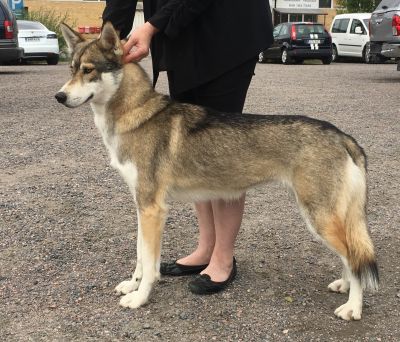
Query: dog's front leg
[[128, 286], [152, 219]]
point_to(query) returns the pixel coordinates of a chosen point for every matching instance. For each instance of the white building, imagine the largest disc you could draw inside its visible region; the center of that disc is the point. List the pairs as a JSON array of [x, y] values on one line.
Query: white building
[[300, 10]]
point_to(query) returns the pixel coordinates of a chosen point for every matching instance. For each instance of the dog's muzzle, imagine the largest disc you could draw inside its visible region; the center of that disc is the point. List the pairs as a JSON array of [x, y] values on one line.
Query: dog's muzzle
[[61, 97]]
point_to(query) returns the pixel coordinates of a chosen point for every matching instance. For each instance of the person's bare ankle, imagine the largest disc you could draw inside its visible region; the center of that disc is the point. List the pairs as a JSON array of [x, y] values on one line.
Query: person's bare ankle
[[220, 267], [194, 259]]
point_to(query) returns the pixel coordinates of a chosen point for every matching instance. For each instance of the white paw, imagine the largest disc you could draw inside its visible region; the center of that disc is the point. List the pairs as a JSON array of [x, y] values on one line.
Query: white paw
[[349, 312], [127, 286], [339, 286], [133, 300]]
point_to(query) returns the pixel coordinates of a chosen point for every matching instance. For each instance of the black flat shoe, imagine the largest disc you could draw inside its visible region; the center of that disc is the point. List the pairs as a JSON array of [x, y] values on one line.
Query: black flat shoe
[[175, 269], [203, 284]]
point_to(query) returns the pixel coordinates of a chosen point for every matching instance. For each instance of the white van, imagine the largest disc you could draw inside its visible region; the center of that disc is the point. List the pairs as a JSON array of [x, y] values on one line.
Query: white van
[[350, 36]]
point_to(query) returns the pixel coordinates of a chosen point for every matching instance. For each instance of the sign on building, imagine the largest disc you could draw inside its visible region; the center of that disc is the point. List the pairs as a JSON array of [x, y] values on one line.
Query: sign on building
[[301, 4]]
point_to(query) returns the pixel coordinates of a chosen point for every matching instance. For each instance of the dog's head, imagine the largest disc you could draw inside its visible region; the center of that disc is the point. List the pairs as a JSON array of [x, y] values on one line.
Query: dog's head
[[96, 67]]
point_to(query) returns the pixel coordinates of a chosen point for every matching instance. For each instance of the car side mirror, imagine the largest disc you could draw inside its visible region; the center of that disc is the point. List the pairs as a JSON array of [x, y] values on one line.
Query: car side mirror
[[358, 30]]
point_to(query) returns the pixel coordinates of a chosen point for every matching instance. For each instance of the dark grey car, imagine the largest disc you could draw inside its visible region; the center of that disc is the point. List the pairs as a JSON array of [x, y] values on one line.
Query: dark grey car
[[296, 41], [385, 31], [9, 49]]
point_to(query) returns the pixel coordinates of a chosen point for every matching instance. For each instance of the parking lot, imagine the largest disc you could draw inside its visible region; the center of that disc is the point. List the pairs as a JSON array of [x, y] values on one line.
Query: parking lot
[[68, 223]]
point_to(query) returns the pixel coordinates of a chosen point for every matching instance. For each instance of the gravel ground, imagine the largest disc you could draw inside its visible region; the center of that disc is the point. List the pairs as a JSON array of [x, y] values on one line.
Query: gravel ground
[[68, 222]]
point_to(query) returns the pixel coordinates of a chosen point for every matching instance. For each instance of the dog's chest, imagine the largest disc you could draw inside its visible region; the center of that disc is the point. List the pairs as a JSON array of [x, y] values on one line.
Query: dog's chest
[[109, 139], [127, 169]]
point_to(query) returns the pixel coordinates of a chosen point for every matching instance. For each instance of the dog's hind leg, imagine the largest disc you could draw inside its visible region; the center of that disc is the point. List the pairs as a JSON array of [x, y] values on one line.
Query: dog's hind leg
[[332, 232], [360, 258], [128, 286], [341, 285], [352, 309], [152, 219], [334, 235], [339, 219]]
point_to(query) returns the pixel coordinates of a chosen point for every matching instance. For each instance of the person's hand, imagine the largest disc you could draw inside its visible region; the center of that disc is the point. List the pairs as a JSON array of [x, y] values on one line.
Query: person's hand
[[138, 45]]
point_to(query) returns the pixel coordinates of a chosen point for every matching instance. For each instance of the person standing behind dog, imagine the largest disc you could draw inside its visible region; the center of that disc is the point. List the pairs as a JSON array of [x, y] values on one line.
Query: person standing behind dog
[[209, 49]]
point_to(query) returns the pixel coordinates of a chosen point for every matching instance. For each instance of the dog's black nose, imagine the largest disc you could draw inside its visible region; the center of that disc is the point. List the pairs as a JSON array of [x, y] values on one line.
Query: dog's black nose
[[61, 97]]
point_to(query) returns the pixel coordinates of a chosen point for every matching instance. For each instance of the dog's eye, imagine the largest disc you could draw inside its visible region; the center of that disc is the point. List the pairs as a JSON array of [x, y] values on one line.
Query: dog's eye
[[87, 70]]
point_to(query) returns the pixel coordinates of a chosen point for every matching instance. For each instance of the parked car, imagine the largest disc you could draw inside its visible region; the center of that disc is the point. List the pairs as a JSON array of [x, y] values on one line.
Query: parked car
[[38, 42], [350, 36], [9, 49], [384, 31], [297, 41]]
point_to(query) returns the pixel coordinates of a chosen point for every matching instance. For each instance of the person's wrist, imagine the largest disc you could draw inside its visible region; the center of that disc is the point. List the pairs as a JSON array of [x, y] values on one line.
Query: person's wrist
[[150, 29]]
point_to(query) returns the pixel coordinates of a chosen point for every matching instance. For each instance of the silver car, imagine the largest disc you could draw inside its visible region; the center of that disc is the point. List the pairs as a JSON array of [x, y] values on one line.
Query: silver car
[[385, 31]]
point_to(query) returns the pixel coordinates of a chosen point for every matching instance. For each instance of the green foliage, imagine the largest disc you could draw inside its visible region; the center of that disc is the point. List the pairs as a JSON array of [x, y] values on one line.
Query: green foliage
[[52, 20], [356, 6]]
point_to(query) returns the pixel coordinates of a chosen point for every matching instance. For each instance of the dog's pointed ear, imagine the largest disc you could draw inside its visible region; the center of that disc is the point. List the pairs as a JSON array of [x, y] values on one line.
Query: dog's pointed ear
[[71, 37], [109, 39]]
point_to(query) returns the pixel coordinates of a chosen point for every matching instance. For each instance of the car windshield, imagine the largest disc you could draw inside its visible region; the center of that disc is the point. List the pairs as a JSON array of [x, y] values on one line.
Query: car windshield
[[30, 25], [306, 29], [366, 22]]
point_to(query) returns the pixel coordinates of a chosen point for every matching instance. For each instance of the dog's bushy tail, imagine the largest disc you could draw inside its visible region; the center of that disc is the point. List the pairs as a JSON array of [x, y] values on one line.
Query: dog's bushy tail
[[361, 255]]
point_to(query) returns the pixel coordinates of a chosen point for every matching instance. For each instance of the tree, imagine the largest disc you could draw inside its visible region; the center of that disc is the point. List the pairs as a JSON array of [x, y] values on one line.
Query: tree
[[356, 6]]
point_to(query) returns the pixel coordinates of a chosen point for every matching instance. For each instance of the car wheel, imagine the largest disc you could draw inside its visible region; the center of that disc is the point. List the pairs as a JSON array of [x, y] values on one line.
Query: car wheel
[[16, 61], [335, 55], [285, 59], [372, 58], [261, 58], [327, 60], [366, 56], [376, 59], [52, 60]]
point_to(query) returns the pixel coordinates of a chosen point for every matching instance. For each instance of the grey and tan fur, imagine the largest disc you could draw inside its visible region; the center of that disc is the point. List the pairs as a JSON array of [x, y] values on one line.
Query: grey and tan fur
[[165, 149]]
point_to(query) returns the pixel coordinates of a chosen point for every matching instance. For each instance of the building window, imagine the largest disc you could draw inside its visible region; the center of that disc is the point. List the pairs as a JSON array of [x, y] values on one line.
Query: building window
[[310, 18], [325, 3], [295, 17], [280, 18]]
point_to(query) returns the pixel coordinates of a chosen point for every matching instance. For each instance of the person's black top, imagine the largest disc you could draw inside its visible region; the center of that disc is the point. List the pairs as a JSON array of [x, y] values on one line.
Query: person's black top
[[199, 40]]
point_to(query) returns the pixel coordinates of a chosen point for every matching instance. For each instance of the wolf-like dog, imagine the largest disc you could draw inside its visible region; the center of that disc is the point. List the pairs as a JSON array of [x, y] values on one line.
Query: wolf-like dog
[[164, 149]]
